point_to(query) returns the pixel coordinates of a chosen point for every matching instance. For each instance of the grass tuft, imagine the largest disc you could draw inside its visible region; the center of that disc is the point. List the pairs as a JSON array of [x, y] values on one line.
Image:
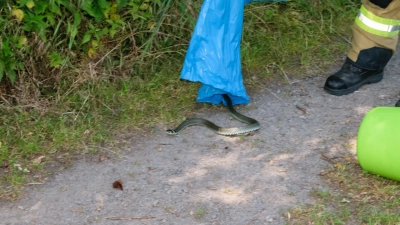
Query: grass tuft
[[354, 197]]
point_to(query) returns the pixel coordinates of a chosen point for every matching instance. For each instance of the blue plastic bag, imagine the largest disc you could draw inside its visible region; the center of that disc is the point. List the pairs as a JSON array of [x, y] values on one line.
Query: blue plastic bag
[[213, 57]]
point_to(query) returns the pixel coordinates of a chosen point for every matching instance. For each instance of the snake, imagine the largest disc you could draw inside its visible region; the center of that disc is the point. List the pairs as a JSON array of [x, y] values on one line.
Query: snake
[[252, 124]]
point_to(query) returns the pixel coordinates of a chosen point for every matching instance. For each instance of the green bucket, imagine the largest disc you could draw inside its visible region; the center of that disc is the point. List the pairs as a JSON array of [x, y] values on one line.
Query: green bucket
[[378, 142]]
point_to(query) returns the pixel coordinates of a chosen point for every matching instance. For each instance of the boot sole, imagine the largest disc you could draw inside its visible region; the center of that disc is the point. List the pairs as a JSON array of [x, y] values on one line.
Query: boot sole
[[370, 80]]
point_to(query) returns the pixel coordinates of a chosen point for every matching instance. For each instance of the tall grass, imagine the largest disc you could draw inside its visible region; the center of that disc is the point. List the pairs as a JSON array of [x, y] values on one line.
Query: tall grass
[[300, 38], [75, 96]]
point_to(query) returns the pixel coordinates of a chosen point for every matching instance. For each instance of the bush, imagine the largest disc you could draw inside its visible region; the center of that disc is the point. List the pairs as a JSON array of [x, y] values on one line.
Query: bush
[[42, 40]]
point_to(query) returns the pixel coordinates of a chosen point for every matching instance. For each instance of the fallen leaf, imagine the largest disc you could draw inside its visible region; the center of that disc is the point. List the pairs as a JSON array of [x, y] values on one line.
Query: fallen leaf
[[118, 185], [20, 168], [287, 214], [344, 200], [38, 160], [103, 158], [338, 165]]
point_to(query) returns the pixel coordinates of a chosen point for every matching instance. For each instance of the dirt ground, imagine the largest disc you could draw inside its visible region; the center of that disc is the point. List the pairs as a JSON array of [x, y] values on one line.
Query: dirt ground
[[199, 177]]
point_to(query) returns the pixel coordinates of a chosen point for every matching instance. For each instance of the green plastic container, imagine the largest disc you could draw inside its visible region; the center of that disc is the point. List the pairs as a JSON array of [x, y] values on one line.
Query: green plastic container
[[378, 142]]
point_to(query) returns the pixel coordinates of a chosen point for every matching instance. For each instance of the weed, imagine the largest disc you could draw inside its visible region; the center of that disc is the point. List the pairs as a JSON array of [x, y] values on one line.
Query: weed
[[200, 213], [360, 197]]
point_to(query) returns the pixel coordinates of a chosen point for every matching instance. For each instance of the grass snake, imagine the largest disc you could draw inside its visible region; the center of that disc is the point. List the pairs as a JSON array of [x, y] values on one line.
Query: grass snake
[[252, 124]]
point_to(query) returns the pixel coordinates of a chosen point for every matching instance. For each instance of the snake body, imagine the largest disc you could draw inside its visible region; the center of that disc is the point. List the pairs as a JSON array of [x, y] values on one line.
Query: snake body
[[252, 124]]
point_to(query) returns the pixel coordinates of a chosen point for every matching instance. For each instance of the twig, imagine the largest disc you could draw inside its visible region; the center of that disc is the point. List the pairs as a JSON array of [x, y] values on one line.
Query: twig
[[5, 100], [113, 111], [301, 109], [330, 160], [78, 210], [274, 94], [287, 78], [102, 58], [130, 218], [76, 117]]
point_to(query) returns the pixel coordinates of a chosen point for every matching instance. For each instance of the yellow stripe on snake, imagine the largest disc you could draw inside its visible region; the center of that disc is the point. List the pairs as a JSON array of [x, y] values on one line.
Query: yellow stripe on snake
[[252, 124]]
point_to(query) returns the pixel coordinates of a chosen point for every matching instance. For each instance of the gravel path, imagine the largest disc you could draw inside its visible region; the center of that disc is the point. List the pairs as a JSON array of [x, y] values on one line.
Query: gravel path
[[199, 177]]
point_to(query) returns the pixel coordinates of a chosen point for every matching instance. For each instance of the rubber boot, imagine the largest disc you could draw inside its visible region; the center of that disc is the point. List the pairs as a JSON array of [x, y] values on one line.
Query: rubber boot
[[367, 69]]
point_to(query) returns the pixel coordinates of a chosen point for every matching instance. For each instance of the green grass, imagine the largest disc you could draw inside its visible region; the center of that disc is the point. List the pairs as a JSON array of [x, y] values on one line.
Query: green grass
[[297, 38], [132, 88], [86, 120], [200, 213], [354, 197]]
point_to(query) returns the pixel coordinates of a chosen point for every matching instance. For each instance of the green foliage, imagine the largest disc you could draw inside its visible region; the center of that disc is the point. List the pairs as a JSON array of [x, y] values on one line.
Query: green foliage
[[296, 34], [58, 33], [355, 197]]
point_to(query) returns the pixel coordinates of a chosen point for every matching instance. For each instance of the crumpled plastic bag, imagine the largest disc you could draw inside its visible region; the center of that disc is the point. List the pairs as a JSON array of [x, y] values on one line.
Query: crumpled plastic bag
[[213, 56]]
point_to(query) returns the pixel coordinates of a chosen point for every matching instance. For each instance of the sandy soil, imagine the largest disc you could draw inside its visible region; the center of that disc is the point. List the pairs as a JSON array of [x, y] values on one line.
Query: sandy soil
[[199, 177]]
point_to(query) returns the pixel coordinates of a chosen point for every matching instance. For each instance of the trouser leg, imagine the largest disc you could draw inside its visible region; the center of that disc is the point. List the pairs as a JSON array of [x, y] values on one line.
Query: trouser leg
[[375, 37], [374, 41]]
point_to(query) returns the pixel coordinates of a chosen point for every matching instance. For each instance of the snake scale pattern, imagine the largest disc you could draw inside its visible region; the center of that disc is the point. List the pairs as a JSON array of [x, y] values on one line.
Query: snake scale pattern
[[252, 124]]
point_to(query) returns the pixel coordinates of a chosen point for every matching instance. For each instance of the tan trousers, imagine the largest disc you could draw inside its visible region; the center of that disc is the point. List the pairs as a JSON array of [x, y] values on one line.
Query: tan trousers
[[364, 40]]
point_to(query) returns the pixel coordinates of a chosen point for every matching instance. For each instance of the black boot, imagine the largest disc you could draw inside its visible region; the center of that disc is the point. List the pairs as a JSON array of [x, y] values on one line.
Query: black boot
[[350, 78], [397, 104], [367, 70]]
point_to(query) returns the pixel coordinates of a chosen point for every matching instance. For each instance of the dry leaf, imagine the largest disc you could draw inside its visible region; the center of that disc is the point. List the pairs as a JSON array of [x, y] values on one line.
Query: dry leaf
[[103, 158], [118, 185], [338, 165], [287, 214], [20, 168], [344, 200], [38, 160]]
